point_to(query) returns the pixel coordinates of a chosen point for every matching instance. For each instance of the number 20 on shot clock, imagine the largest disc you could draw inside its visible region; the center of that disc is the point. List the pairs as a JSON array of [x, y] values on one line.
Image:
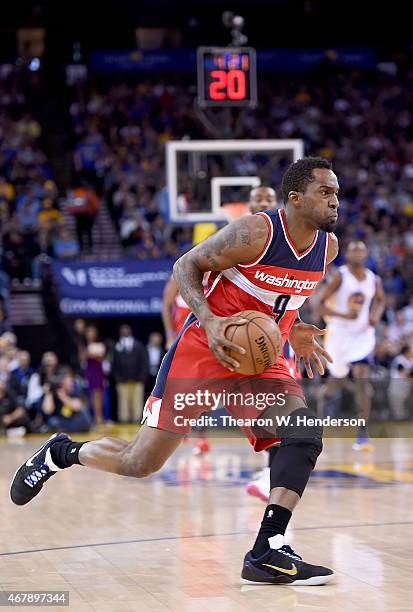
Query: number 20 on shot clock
[[226, 76]]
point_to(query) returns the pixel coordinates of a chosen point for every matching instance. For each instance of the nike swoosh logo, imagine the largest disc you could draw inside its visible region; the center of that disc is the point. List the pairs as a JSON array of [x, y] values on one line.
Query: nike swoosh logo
[[291, 572], [29, 462]]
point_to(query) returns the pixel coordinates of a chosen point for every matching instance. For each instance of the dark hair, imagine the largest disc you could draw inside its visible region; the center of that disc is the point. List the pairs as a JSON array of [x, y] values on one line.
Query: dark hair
[[58, 377], [300, 173]]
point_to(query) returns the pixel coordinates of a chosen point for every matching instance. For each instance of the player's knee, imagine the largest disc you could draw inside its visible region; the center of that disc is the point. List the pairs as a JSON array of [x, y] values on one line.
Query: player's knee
[[301, 444], [293, 465], [304, 432], [306, 450]]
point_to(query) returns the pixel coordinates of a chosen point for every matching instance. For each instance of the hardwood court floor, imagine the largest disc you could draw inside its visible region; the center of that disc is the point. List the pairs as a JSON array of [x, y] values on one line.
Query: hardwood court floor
[[175, 541]]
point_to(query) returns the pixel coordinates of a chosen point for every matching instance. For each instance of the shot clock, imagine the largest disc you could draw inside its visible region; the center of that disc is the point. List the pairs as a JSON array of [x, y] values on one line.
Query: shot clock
[[226, 76]]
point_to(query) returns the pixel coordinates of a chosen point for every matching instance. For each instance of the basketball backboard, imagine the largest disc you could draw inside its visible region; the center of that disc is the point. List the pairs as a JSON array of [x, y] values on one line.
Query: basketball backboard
[[199, 171]]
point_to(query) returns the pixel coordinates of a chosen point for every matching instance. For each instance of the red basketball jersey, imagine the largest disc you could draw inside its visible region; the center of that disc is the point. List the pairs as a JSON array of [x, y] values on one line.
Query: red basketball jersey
[[278, 282]]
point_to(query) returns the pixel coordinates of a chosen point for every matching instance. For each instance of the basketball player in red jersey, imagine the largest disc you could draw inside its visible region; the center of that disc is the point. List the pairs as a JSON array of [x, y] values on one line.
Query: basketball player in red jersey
[[270, 262]]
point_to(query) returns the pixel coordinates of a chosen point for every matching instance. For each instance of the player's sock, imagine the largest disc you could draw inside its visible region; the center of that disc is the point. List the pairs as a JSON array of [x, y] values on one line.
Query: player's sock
[[275, 521], [64, 454]]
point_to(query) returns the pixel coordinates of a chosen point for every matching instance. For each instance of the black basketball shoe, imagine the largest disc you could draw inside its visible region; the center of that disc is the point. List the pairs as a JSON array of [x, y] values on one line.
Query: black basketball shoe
[[31, 476], [281, 565]]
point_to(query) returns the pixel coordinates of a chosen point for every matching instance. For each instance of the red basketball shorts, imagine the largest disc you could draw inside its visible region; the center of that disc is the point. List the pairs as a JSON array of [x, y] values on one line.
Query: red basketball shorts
[[191, 382]]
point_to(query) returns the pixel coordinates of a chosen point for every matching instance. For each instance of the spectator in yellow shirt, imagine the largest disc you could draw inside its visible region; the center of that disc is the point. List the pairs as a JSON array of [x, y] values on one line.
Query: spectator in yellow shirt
[[49, 216]]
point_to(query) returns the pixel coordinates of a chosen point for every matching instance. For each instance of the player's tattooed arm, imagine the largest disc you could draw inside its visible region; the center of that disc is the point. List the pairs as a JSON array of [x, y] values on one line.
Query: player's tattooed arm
[[239, 242]]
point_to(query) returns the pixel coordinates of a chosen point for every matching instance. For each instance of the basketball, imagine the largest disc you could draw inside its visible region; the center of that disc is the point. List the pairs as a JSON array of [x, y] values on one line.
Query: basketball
[[260, 337]]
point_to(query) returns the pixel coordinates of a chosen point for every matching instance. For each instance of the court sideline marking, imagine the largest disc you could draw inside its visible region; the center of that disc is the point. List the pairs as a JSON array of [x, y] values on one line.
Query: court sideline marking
[[205, 535]]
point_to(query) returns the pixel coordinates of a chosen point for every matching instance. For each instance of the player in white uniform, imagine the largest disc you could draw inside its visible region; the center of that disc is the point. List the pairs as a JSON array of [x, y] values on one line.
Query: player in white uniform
[[352, 303]]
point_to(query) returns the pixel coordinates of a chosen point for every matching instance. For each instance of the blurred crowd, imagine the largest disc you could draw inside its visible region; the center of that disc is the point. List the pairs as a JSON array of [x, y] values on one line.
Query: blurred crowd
[[29, 214], [119, 139], [105, 382], [363, 122], [32, 226]]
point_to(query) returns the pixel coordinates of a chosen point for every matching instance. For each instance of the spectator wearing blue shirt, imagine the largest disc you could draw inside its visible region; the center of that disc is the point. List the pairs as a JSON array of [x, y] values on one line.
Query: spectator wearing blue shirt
[[20, 376], [65, 247], [29, 194], [27, 214]]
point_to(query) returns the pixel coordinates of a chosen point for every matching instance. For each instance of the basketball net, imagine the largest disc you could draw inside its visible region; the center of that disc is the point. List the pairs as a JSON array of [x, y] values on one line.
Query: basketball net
[[235, 210]]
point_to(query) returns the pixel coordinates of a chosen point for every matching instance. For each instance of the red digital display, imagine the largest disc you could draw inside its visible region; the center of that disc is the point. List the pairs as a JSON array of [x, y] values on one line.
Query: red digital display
[[226, 77], [229, 85]]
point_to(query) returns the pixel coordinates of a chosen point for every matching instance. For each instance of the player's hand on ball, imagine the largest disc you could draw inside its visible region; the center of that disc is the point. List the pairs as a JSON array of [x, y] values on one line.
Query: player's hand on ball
[[305, 347], [215, 329]]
